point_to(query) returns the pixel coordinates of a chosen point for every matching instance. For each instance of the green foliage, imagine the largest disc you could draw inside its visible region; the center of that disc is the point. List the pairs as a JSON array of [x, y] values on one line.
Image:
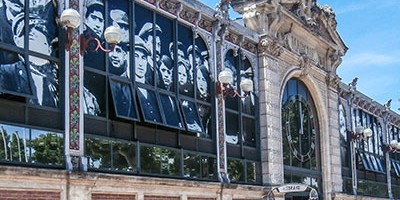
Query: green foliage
[[48, 149]]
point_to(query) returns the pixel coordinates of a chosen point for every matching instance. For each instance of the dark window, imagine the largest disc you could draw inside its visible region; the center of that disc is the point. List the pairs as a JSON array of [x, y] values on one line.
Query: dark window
[[300, 135], [124, 101], [241, 122]]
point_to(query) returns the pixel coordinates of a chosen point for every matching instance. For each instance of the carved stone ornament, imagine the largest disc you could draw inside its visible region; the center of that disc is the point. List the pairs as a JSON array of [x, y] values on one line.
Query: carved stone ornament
[[270, 47], [304, 64], [222, 22], [333, 80]]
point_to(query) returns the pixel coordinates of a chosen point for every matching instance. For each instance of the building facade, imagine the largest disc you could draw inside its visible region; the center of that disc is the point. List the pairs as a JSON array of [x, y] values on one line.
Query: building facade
[[152, 117]]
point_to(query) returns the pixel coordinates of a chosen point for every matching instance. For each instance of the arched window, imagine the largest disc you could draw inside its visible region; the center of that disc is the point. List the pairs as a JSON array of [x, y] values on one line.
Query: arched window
[[300, 135], [241, 123]]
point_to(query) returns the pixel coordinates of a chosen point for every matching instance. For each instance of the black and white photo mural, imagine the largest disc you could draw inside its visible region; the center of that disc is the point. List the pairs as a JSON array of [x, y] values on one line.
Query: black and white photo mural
[[25, 75], [240, 110], [124, 101], [94, 25]]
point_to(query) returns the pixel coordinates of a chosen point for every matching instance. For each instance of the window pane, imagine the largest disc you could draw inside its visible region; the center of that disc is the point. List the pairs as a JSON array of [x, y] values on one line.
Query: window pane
[[171, 111], [42, 27], [204, 57], [118, 60], [8, 31], [149, 105], [14, 76], [144, 46], [205, 117], [94, 28], [14, 143], [191, 116], [98, 152], [94, 95], [208, 167], [119, 18], [236, 170], [231, 64], [249, 133], [185, 69], [159, 161], [191, 165], [123, 99], [45, 82], [165, 53], [123, 156], [232, 128], [248, 103], [203, 83], [47, 147], [251, 172]]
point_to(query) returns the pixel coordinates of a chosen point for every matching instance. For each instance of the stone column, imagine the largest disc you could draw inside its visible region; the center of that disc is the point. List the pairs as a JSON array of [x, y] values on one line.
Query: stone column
[[74, 138]]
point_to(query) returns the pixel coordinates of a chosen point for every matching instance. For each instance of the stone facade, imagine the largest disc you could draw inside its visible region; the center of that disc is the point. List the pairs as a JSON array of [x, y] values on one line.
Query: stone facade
[[284, 39]]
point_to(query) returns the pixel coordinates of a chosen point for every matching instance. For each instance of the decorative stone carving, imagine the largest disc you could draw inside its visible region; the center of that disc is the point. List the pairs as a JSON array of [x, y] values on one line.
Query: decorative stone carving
[[205, 24], [270, 47], [250, 46], [222, 16], [171, 7], [304, 64], [333, 80], [189, 16]]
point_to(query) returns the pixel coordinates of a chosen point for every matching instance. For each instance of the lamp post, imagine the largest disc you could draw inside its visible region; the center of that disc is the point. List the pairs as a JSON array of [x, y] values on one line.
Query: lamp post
[[357, 133], [393, 146]]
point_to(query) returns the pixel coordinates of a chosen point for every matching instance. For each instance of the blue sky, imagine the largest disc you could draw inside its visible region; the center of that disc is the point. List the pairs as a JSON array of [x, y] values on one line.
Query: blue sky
[[371, 31]]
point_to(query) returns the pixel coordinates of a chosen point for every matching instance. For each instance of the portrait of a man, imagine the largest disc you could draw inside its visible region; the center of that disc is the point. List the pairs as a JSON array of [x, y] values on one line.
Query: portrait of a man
[[119, 61], [94, 28], [147, 98]]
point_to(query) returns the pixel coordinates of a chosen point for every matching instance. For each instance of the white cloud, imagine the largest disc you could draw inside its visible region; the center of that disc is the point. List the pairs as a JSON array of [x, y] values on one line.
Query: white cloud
[[369, 59]]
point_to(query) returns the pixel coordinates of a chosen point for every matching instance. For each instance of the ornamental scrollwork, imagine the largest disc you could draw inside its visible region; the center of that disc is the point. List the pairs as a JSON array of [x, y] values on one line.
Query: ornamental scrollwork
[[270, 47]]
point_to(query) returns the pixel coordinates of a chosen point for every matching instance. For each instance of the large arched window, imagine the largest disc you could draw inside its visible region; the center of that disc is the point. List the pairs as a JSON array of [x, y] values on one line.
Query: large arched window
[[241, 123], [300, 135]]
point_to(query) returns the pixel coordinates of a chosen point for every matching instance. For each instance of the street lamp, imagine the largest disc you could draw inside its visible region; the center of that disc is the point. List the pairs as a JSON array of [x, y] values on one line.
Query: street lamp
[[224, 85], [357, 134], [71, 19]]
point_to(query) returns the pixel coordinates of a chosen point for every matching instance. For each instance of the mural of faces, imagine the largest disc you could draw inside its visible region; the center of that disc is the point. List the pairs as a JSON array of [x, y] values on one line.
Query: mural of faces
[[94, 18], [119, 61]]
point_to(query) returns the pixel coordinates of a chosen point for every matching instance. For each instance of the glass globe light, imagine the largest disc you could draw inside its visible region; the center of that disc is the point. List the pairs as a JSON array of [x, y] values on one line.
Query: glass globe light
[[70, 18], [246, 85], [112, 35], [225, 77]]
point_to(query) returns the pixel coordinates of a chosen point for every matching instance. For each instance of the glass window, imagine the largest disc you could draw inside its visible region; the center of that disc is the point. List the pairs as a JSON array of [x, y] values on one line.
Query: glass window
[[236, 170], [300, 135], [47, 147], [149, 105], [156, 160], [171, 111], [192, 165], [191, 116], [24, 145], [94, 95], [38, 80], [124, 101], [94, 22]]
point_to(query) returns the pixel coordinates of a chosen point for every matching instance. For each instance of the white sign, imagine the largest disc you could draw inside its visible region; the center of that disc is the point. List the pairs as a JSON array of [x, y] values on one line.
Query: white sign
[[292, 188]]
